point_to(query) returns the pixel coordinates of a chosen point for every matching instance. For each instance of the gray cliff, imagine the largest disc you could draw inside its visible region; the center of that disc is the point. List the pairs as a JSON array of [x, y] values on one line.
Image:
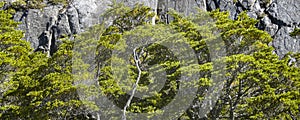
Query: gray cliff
[[277, 17]]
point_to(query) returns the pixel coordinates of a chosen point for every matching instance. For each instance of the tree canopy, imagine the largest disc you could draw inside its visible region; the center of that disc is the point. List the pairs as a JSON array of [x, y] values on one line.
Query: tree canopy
[[116, 61]]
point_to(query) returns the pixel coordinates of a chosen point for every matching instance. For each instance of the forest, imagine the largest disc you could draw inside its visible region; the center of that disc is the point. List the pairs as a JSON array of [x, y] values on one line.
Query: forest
[[202, 66]]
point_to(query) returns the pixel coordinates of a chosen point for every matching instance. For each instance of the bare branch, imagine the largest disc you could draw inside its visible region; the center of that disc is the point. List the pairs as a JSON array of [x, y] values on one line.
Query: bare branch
[[137, 61]]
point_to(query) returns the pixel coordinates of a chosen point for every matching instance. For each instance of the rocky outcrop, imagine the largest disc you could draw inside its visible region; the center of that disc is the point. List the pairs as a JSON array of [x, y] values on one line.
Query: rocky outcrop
[[284, 18], [45, 27], [277, 17]]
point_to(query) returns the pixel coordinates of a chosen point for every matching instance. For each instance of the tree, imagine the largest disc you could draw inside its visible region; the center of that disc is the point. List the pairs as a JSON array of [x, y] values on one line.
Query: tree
[[256, 83], [34, 86], [13, 54]]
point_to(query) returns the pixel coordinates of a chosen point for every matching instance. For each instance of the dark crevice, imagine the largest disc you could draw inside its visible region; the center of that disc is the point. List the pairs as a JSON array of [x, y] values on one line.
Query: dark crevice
[[24, 15], [55, 34], [277, 22], [208, 8], [73, 31], [6, 6], [273, 36], [210, 2], [77, 11], [163, 13], [48, 39], [167, 15], [239, 4], [217, 3]]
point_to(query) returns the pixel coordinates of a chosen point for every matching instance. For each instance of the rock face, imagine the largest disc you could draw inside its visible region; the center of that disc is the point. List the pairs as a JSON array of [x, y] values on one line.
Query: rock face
[[44, 27], [284, 17]]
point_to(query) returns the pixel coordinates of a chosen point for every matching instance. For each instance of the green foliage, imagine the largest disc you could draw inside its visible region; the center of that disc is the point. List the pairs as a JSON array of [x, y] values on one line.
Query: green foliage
[[255, 76], [56, 2], [296, 32], [13, 50], [37, 4], [125, 20], [258, 85], [28, 4], [34, 86]]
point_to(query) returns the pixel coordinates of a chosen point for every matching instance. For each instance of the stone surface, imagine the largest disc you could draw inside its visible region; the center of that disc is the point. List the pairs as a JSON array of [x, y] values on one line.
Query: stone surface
[[284, 14], [277, 17]]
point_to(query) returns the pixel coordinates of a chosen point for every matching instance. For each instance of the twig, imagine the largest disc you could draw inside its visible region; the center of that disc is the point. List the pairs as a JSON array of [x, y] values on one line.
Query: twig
[[137, 61]]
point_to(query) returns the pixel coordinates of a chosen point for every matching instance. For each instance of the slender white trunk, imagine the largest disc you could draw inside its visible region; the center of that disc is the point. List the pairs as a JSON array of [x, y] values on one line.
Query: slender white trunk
[[155, 5], [137, 61], [49, 44]]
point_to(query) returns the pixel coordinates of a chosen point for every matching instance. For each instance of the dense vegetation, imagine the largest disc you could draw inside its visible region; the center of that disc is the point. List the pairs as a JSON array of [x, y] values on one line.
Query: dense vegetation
[[256, 83], [37, 4]]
